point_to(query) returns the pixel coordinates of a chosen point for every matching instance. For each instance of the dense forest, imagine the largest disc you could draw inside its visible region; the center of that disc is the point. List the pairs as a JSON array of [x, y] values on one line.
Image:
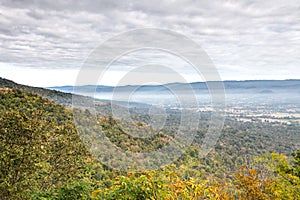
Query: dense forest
[[43, 156]]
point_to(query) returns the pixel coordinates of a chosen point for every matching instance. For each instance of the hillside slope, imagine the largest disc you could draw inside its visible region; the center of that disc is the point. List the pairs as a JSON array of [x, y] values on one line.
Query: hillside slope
[[40, 148], [43, 157], [58, 97]]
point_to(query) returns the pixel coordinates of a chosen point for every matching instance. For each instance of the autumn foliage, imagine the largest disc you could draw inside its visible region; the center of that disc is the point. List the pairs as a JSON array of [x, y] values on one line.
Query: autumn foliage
[[42, 157]]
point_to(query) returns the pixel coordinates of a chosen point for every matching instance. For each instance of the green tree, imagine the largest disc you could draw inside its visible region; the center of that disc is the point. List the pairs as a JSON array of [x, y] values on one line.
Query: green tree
[[40, 148]]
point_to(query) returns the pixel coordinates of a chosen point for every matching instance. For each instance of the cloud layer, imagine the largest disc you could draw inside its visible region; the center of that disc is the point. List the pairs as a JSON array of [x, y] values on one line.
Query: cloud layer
[[245, 39]]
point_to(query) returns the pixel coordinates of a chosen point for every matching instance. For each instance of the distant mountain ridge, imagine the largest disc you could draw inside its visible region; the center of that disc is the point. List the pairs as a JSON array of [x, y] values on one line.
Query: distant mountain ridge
[[260, 85], [153, 93]]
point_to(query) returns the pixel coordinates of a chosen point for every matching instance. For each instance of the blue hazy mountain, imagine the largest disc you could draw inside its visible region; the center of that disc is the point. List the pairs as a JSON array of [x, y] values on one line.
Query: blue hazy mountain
[[249, 92], [252, 85]]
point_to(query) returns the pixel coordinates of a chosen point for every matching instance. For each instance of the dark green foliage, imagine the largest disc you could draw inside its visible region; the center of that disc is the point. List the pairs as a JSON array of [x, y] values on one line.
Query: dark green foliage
[[72, 191], [296, 163]]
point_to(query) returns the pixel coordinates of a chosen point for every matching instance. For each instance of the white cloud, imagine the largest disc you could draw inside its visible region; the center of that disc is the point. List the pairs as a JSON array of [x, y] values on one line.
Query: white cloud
[[247, 39]]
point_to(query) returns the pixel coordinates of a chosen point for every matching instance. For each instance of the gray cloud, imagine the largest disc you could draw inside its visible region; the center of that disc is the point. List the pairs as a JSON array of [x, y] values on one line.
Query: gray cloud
[[242, 37]]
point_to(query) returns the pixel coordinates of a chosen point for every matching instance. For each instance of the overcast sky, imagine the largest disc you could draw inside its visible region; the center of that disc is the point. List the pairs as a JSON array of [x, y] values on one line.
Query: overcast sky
[[44, 43]]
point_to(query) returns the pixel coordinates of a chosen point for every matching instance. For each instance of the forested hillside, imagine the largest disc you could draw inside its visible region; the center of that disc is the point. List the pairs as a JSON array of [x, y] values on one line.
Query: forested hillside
[[56, 96], [43, 157]]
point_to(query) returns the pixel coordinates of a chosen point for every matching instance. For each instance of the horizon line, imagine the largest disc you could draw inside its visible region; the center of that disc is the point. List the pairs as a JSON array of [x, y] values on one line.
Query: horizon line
[[245, 80]]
